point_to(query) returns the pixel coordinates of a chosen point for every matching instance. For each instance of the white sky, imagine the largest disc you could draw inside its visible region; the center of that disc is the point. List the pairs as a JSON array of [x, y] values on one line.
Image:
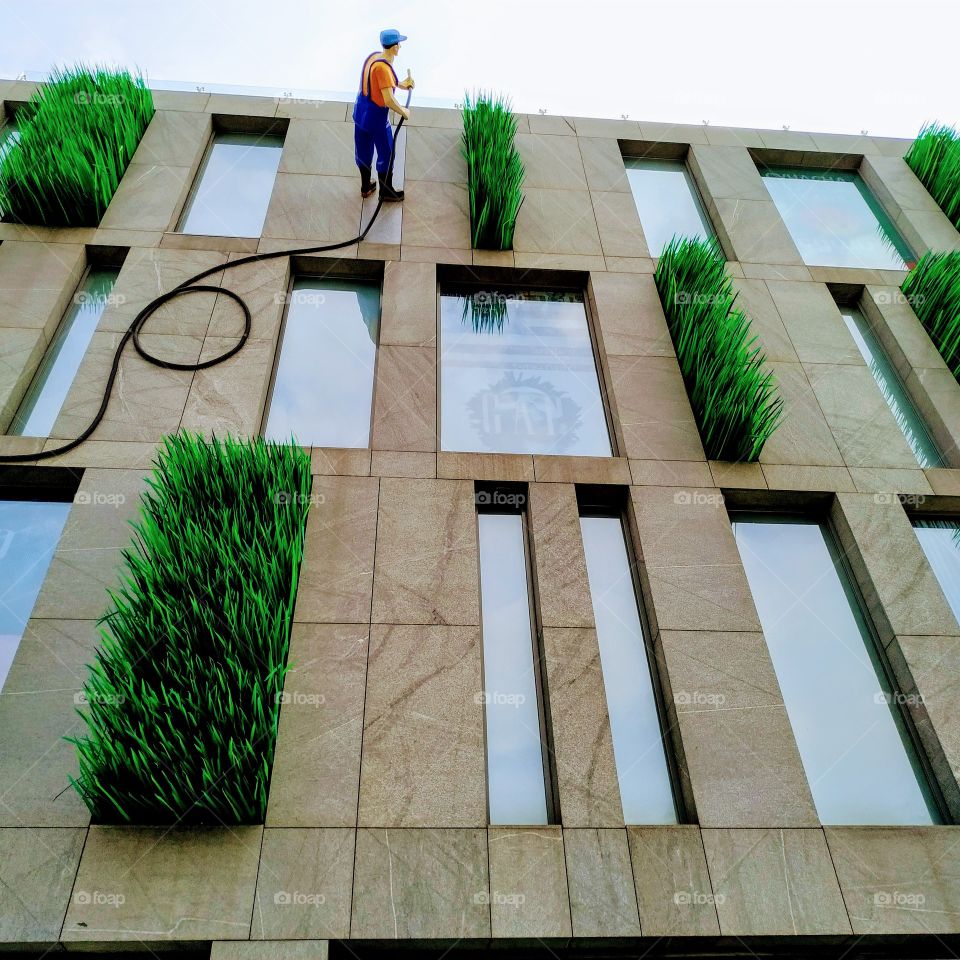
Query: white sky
[[827, 65]]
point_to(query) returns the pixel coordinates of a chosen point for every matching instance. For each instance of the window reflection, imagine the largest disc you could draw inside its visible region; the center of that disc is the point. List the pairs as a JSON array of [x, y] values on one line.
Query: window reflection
[[645, 788], [29, 532], [667, 201], [47, 392], [323, 386], [518, 374], [891, 386], [835, 221], [940, 540], [233, 188], [859, 759], [516, 779]]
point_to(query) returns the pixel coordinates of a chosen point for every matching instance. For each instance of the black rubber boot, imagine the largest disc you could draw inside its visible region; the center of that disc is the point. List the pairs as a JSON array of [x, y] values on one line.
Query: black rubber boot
[[367, 187], [387, 189]]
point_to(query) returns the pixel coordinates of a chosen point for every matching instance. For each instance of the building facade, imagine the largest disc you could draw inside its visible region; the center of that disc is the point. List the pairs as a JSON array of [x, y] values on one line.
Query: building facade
[[560, 684]]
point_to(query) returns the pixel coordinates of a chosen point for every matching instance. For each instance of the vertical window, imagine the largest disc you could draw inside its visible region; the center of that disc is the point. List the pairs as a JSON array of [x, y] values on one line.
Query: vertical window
[[47, 392], [646, 789], [517, 768], [9, 134], [29, 532], [323, 384], [518, 374], [891, 386], [834, 220], [667, 200], [860, 759], [232, 190], [940, 540]]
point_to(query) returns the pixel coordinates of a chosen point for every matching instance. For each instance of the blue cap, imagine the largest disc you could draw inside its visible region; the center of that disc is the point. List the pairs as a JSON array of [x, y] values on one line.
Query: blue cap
[[389, 37]]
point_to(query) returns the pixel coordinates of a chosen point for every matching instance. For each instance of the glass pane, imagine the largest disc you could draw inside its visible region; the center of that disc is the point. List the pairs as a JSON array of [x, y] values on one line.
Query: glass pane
[[667, 201], [515, 768], [29, 532], [9, 135], [44, 398], [645, 788], [860, 762], [518, 375], [323, 388], [234, 187], [835, 221], [892, 388], [940, 540]]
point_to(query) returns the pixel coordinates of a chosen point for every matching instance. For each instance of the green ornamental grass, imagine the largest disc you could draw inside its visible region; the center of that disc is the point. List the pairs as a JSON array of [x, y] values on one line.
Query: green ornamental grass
[[183, 698], [76, 137], [494, 170], [933, 289], [734, 397], [935, 158]]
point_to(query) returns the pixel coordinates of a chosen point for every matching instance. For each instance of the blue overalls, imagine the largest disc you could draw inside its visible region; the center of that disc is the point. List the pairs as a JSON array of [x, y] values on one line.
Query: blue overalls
[[372, 122]]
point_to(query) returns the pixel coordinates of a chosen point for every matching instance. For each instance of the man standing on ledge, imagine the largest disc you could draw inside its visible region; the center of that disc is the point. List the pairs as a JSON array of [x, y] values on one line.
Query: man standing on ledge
[[371, 115]]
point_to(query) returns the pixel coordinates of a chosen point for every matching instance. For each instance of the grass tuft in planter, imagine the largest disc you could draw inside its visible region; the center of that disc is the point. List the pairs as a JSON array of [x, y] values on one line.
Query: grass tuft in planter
[[933, 289], [76, 137], [734, 397], [494, 170], [935, 158], [183, 696]]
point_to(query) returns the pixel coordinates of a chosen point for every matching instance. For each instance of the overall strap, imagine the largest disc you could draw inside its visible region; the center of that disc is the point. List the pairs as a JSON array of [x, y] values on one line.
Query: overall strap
[[367, 70]]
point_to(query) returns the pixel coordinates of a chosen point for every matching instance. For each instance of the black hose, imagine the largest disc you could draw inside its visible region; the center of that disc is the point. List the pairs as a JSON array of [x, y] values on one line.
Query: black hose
[[190, 285]]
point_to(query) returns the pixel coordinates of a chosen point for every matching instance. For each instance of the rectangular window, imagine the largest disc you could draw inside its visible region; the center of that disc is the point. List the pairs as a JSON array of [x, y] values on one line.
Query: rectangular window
[[29, 533], [667, 200], [518, 374], [323, 384], [940, 540], [891, 386], [517, 768], [646, 789], [9, 134], [232, 190], [859, 756], [834, 220], [47, 392]]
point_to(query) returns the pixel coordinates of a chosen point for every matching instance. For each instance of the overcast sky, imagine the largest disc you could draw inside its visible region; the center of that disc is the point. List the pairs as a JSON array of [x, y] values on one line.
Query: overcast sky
[[828, 65]]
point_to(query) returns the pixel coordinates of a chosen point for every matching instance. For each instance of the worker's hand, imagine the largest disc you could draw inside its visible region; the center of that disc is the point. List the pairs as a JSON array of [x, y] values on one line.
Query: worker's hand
[[408, 83], [404, 112]]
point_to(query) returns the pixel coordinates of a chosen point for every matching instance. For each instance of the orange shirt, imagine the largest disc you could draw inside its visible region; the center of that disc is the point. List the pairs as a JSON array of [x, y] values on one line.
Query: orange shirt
[[380, 76]]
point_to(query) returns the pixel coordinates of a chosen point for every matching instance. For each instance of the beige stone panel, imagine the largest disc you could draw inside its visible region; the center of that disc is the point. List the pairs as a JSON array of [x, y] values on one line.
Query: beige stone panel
[[621, 234], [892, 319], [775, 271], [304, 885], [416, 254], [316, 767], [263, 286], [895, 185], [528, 883], [408, 315], [244, 106], [336, 577], [561, 567], [436, 214], [925, 230], [630, 264], [316, 146], [426, 561], [774, 883], [340, 461], [318, 209], [830, 479], [672, 882], [150, 197], [551, 163], [174, 138], [869, 480], [743, 476], [652, 410], [436, 117], [862, 424], [813, 322], [180, 100], [558, 261], [937, 396], [20, 354], [424, 761], [391, 463], [127, 454], [753, 231], [672, 132], [485, 466], [493, 258], [175, 884], [582, 742], [37, 282], [670, 473], [557, 221], [544, 123], [629, 319], [897, 583], [898, 880], [405, 399], [692, 565], [38, 708], [803, 437], [753, 298], [944, 481], [603, 899], [421, 885], [434, 153], [307, 109], [603, 165], [270, 950], [742, 760], [37, 868], [601, 470], [726, 172]]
